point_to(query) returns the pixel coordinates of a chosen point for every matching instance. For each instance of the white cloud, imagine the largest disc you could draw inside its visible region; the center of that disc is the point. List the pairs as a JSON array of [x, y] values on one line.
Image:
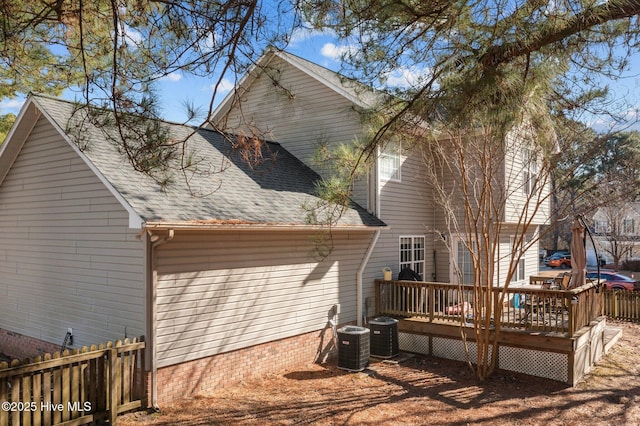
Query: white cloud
[[225, 86], [407, 77], [625, 121], [172, 77], [332, 51], [11, 105], [131, 37], [303, 34]]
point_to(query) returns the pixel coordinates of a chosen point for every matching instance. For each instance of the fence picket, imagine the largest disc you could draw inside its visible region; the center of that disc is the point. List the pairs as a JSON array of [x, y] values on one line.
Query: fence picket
[[57, 391], [104, 377], [37, 395], [112, 377], [126, 376], [622, 305], [46, 392], [15, 393], [4, 395], [26, 384]]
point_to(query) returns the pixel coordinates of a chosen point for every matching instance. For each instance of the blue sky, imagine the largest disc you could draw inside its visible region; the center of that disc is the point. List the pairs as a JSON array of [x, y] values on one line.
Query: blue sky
[[178, 88], [321, 48]]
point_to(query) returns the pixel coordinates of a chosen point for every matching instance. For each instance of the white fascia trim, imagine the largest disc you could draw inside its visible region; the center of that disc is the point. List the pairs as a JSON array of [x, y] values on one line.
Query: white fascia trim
[[8, 148]]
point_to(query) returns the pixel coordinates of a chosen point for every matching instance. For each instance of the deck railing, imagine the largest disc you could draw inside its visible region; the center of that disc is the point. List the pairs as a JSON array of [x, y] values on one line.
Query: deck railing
[[527, 308]]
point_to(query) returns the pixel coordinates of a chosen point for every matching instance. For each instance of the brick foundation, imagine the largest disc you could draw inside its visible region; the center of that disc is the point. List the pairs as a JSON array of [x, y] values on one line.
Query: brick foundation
[[19, 346], [206, 374]]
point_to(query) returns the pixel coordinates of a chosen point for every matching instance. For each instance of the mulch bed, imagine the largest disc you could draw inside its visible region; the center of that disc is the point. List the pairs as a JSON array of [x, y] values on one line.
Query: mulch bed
[[420, 390]]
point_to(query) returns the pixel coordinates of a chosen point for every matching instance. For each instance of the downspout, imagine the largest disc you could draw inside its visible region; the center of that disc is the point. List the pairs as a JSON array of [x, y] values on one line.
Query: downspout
[[156, 241], [363, 264]]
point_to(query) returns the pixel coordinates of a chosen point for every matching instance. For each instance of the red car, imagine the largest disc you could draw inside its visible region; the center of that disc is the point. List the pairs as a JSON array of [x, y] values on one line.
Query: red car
[[560, 261], [615, 281]]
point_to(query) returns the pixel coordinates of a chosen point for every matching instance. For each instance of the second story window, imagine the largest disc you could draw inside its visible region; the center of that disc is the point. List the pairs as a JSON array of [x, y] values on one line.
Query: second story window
[[601, 226], [529, 171], [629, 226], [389, 162]]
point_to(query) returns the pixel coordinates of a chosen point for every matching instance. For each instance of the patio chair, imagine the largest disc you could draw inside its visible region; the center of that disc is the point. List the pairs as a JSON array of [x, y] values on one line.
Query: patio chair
[[562, 280], [535, 304]]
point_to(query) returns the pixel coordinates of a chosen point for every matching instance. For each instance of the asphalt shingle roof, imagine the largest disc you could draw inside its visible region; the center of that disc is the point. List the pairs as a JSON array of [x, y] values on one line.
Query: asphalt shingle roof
[[273, 192]]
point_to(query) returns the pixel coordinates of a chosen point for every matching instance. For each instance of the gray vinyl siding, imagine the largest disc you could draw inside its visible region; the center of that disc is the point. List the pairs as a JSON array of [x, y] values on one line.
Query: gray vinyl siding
[[229, 290], [536, 207], [406, 207], [301, 117], [531, 258], [67, 256]]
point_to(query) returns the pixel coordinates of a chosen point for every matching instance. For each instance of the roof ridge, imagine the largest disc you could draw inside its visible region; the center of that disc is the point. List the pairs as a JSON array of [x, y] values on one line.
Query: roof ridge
[[158, 119]]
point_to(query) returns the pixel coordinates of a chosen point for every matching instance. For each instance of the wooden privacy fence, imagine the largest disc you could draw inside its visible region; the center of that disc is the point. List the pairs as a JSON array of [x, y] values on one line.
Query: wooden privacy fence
[[622, 305], [91, 385]]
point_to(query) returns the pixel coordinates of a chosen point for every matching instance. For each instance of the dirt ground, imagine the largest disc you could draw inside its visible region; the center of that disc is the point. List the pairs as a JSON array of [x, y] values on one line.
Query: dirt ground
[[421, 390]]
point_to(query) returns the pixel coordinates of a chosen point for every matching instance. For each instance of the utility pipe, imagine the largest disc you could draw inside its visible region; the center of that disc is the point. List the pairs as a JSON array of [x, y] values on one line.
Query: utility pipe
[[156, 241]]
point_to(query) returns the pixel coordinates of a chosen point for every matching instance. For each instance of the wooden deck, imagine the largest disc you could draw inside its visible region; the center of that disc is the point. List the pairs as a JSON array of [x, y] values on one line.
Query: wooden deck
[[557, 334], [533, 308]]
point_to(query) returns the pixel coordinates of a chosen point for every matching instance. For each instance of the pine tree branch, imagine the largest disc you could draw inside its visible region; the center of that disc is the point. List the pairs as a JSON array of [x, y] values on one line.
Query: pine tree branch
[[587, 19]]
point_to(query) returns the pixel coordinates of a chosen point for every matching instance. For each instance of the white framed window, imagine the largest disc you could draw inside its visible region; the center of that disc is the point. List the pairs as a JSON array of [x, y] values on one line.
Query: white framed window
[[529, 171], [602, 226], [519, 273], [412, 253], [465, 263], [389, 162], [629, 226]]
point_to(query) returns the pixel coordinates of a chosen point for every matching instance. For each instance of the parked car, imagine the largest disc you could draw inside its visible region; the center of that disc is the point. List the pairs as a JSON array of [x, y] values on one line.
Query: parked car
[[616, 281], [555, 255], [560, 261]]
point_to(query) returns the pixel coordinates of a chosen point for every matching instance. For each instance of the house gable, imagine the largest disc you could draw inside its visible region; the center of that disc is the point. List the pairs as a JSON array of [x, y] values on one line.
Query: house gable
[[68, 258], [302, 106], [32, 111]]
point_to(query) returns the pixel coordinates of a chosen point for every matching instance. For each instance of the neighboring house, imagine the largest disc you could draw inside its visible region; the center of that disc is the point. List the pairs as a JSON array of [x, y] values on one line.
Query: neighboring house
[[302, 105], [616, 231], [222, 284]]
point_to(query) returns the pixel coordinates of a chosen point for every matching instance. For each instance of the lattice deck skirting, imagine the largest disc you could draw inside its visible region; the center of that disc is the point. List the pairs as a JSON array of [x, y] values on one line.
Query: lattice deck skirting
[[542, 361]]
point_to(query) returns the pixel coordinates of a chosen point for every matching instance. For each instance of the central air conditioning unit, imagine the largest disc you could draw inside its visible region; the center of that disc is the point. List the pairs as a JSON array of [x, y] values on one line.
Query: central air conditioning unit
[[353, 348], [384, 337]]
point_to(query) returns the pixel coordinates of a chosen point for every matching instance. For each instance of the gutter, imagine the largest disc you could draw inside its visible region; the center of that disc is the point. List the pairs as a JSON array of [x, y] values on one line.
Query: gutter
[[363, 264], [155, 241], [246, 226]]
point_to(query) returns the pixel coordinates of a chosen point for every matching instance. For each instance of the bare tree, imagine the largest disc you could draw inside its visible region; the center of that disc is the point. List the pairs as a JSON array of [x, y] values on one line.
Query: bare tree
[[616, 226]]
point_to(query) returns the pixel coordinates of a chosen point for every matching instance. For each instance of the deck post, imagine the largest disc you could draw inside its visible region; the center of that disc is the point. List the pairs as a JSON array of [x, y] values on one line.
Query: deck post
[[432, 301], [496, 299]]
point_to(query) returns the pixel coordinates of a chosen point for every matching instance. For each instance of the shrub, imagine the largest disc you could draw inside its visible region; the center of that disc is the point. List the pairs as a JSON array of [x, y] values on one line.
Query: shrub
[[631, 265]]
